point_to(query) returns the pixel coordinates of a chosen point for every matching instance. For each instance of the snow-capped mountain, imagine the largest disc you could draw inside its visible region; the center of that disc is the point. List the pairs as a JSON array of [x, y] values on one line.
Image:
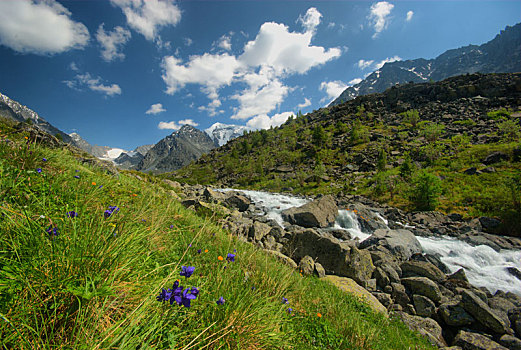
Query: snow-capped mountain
[[222, 133], [500, 55]]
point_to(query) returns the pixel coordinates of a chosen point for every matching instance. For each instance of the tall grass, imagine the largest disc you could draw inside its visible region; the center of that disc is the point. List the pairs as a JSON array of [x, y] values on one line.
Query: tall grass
[[93, 284]]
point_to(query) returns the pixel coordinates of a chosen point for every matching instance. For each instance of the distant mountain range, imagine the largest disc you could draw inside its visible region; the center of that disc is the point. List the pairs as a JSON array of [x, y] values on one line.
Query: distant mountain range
[[500, 55]]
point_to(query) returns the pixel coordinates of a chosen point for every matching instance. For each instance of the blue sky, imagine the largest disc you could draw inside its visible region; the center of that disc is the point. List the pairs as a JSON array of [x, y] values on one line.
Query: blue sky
[[124, 73]]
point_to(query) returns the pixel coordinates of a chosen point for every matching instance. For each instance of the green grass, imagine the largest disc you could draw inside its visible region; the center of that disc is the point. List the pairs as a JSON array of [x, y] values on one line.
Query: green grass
[[94, 285]]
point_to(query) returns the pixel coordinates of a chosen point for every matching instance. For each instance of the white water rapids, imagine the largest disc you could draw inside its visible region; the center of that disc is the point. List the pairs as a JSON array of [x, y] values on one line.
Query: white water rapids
[[483, 266]]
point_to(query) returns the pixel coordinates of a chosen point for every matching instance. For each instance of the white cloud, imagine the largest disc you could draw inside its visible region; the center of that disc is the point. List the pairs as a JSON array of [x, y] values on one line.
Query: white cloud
[[224, 42], [95, 84], [212, 108], [176, 125], [111, 42], [354, 81], [41, 28], [387, 60], [306, 103], [363, 64], [265, 122], [409, 16], [73, 66], [333, 89], [155, 109], [188, 41], [148, 16], [311, 19], [260, 101], [379, 16]]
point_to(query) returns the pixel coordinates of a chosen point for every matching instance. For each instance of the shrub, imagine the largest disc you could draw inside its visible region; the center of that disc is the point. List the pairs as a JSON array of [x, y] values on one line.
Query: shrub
[[359, 133], [432, 131], [509, 130], [407, 167], [501, 113], [412, 116], [426, 191]]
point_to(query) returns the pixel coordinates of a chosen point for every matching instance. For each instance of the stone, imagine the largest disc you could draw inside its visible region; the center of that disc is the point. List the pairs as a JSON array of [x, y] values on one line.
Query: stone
[[426, 327], [401, 243], [258, 230], [360, 267], [285, 259], [383, 298], [500, 306], [423, 286], [489, 225], [319, 270], [514, 272], [472, 171], [422, 269], [482, 312], [399, 295], [495, 157], [370, 284], [510, 342], [319, 213], [392, 271], [173, 184], [459, 275], [381, 278], [424, 306], [238, 201], [306, 265], [475, 341], [351, 287], [455, 315], [212, 195]]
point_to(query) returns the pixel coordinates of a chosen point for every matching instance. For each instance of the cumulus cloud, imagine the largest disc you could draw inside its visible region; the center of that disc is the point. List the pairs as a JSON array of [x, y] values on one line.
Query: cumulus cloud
[[260, 100], [333, 89], [156, 108], [354, 81], [212, 108], [42, 28], [363, 64], [306, 103], [379, 16], [112, 42], [81, 81], [380, 64], [224, 42], [409, 16], [148, 16], [265, 122], [374, 65], [173, 125], [311, 19]]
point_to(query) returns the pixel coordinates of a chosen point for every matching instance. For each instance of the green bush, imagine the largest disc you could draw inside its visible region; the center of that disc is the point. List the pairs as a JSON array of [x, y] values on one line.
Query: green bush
[[426, 191], [509, 130], [432, 131], [412, 117], [501, 113]]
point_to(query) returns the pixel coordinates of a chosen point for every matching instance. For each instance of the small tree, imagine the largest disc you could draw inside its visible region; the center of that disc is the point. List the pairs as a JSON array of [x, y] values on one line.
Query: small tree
[[426, 191], [382, 159], [319, 136], [509, 130], [407, 167], [412, 116]]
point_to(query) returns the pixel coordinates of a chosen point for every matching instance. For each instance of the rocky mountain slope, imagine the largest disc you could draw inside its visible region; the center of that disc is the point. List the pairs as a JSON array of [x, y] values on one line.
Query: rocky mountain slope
[[500, 55], [130, 160], [464, 130], [222, 133], [176, 150]]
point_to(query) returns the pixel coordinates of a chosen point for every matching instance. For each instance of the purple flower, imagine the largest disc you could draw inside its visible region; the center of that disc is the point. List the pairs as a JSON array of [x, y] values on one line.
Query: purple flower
[[230, 257], [187, 271], [39, 170], [220, 301], [164, 295], [111, 210], [44, 159], [100, 186], [72, 214], [52, 231], [171, 226], [198, 251], [76, 176], [290, 310], [188, 296], [285, 301]]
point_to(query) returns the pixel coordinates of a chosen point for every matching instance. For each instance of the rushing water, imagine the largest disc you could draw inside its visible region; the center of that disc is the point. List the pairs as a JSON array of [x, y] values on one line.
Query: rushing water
[[483, 266]]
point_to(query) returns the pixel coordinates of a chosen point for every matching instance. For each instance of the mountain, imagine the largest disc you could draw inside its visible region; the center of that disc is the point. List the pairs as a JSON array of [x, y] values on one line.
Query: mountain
[[102, 152], [130, 160], [176, 150], [13, 110], [222, 133], [500, 55]]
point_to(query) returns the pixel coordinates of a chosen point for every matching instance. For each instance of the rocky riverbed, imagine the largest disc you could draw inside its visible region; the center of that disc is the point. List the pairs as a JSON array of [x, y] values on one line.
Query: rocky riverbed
[[444, 276]]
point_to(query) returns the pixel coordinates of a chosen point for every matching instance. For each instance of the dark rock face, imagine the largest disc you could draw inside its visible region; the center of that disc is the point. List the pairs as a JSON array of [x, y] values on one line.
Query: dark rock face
[[176, 150], [499, 55]]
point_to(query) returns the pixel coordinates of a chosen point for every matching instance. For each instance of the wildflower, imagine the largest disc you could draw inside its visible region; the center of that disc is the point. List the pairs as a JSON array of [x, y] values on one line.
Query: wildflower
[[100, 186], [171, 226], [44, 159], [285, 301], [188, 296], [220, 301], [235, 250], [93, 183], [187, 271], [164, 295], [206, 250], [52, 231], [230, 257], [198, 251], [319, 314], [72, 214], [220, 258], [111, 210], [290, 310], [77, 170], [39, 170], [190, 245], [76, 176]]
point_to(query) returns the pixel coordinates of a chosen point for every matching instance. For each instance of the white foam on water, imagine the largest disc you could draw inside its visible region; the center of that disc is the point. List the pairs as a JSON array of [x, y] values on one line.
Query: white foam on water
[[483, 266], [346, 220], [384, 220]]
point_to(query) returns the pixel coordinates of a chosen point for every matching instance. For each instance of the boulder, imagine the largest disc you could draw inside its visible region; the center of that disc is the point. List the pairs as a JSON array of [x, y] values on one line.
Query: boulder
[[382, 280], [482, 312], [258, 230], [423, 286], [318, 213], [306, 265], [285, 259], [424, 306], [238, 201], [422, 269], [425, 326], [360, 266], [510, 342], [401, 243], [495, 157], [351, 287], [475, 341], [398, 294], [212, 195], [319, 270], [383, 298], [454, 314]]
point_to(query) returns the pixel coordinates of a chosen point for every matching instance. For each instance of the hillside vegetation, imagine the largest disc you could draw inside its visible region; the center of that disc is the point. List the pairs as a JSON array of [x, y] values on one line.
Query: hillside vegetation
[[452, 146], [90, 259]]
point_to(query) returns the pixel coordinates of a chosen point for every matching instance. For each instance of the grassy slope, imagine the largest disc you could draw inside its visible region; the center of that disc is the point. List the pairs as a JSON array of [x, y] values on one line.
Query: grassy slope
[[94, 285]]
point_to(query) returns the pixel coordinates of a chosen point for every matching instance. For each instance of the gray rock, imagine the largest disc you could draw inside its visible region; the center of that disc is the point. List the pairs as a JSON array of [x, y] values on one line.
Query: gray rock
[[475, 341], [383, 298], [319, 270], [422, 269], [238, 201], [258, 230], [401, 243], [425, 326], [495, 157], [459, 275], [455, 315], [424, 306], [510, 342], [482, 312], [319, 213], [423, 286], [306, 265], [381, 278], [285, 259], [399, 295]]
